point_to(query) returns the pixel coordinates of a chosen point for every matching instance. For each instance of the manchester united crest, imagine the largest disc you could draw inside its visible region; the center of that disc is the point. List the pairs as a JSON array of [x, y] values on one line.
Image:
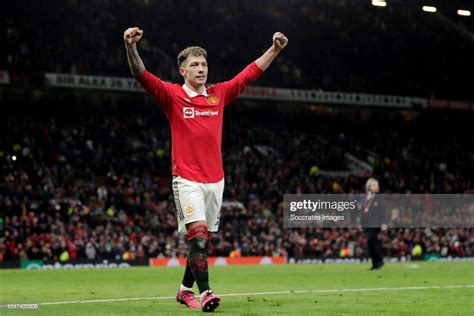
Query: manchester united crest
[[212, 100], [189, 210]]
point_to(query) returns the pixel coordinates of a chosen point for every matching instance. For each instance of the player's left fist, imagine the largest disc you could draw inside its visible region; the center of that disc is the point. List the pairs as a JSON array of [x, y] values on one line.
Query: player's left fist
[[279, 40]]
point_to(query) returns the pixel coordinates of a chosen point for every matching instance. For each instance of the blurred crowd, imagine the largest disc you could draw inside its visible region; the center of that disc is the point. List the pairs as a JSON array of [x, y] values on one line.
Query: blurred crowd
[[334, 45], [82, 181]]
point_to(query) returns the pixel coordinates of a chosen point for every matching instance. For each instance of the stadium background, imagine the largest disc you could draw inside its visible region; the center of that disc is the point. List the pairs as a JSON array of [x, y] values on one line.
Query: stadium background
[[85, 169]]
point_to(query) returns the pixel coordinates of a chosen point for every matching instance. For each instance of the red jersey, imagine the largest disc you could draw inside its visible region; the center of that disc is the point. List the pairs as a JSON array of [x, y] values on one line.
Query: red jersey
[[196, 122]]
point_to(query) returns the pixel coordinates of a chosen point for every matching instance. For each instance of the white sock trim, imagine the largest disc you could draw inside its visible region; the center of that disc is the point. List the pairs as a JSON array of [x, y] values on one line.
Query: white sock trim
[[202, 294], [184, 288]]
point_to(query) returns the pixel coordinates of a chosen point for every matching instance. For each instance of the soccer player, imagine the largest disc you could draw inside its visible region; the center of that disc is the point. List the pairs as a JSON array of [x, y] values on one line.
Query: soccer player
[[195, 114]]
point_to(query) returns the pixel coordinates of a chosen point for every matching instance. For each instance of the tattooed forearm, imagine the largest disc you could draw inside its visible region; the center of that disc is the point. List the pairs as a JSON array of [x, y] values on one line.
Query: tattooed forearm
[[134, 60]]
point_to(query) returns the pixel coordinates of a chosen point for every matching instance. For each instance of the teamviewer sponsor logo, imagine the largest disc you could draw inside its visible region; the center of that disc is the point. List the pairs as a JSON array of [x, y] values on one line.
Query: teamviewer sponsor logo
[[188, 112]]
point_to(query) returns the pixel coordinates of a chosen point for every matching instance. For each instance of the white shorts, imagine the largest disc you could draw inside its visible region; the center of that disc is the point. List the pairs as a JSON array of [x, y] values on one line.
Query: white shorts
[[197, 201]]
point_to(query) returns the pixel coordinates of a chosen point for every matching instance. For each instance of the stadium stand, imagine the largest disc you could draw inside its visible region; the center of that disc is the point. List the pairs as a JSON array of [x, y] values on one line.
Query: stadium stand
[[93, 179], [347, 46]]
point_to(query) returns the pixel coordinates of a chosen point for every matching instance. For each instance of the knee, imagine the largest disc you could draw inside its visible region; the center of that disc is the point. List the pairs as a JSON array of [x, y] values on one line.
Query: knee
[[198, 237]]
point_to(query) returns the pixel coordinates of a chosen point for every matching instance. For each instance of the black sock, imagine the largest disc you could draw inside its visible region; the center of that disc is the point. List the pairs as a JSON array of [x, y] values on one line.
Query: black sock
[[197, 256], [188, 278]]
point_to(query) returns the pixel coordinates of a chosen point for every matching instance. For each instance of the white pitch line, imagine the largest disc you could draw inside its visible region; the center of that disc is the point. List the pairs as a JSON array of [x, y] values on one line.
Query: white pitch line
[[403, 288]]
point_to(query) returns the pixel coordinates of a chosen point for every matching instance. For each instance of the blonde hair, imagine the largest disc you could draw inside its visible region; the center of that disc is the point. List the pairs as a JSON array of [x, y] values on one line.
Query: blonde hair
[[190, 51], [369, 182]]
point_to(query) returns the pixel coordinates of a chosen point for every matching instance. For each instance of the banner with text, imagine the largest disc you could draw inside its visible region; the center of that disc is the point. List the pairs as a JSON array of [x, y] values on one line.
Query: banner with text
[[92, 82], [80, 264], [261, 93], [218, 261]]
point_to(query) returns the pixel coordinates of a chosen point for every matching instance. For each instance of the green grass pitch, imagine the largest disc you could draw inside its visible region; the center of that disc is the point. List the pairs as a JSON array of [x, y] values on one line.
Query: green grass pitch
[[398, 289]]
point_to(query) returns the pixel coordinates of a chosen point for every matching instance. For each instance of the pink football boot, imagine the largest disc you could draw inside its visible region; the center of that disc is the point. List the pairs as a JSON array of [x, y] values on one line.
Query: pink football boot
[[187, 298], [209, 301]]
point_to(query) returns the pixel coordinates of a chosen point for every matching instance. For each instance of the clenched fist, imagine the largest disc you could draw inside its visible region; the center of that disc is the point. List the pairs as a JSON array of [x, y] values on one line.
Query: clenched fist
[[132, 35], [279, 40]]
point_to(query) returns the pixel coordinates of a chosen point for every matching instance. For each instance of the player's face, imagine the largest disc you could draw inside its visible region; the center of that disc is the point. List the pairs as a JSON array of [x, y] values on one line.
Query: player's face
[[194, 71], [374, 187]]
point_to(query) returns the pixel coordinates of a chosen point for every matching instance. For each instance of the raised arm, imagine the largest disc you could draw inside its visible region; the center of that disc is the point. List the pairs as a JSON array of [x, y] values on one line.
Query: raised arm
[[157, 88], [232, 88], [279, 42], [131, 37]]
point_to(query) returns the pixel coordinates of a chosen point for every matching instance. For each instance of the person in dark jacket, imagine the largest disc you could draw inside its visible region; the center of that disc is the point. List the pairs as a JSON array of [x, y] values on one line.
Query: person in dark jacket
[[373, 219]]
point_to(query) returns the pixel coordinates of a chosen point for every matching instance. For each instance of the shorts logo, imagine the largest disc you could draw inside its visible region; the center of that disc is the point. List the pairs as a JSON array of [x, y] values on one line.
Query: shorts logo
[[188, 112], [212, 100], [189, 210]]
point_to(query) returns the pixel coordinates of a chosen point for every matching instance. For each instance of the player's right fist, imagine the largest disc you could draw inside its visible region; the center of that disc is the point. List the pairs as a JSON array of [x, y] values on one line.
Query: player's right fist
[[132, 35]]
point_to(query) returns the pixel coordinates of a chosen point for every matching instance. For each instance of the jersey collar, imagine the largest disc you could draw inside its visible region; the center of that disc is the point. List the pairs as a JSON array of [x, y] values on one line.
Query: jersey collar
[[192, 93]]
